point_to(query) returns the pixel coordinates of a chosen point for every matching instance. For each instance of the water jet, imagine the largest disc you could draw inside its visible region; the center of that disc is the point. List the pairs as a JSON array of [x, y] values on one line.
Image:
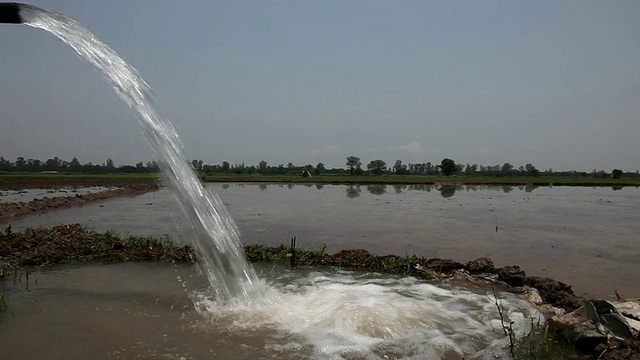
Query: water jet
[[215, 234]]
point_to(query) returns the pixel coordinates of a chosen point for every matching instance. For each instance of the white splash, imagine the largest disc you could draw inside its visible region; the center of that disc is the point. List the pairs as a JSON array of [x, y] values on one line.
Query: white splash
[[341, 316]]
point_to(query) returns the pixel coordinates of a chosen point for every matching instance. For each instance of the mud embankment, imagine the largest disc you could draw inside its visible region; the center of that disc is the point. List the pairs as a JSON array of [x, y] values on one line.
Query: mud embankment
[[123, 187]]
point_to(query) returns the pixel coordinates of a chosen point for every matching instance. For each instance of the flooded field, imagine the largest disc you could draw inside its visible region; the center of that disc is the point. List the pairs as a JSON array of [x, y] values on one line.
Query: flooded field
[[586, 237]]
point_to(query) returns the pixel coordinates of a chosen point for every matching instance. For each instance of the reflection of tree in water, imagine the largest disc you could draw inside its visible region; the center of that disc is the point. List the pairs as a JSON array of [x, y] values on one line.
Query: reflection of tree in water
[[263, 186], [420, 187], [398, 188], [377, 189], [530, 187], [507, 188], [447, 191], [616, 187], [225, 186], [353, 191], [290, 186], [319, 186]]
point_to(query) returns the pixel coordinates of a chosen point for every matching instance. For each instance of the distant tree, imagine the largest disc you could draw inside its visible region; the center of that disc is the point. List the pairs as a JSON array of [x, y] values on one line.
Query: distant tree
[[320, 168], [36, 164], [429, 169], [5, 165], [262, 167], [74, 164], [109, 164], [152, 166], [353, 162], [225, 166], [506, 168], [471, 169], [616, 174], [21, 164], [196, 164], [53, 164], [531, 170], [448, 167], [377, 167], [400, 168]]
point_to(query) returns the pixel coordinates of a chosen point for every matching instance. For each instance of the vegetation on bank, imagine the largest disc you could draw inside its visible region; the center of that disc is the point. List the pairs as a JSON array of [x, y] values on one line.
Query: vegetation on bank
[[353, 166], [77, 244], [348, 179], [421, 179]]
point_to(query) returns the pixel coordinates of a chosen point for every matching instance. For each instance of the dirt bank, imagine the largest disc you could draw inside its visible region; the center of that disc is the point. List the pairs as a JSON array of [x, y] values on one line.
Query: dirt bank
[[124, 187]]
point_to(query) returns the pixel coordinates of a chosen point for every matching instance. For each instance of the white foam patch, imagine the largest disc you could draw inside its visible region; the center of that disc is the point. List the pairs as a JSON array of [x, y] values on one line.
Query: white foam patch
[[344, 316]]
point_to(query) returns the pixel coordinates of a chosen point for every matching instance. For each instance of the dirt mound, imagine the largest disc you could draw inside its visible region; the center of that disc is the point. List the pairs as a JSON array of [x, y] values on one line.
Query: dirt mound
[[124, 187]]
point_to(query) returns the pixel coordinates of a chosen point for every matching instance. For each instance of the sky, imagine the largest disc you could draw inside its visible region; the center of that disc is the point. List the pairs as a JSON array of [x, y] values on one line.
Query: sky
[[551, 83]]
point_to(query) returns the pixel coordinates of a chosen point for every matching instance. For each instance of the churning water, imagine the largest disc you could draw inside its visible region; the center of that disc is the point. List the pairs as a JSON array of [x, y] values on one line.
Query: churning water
[[216, 238], [297, 315], [135, 311]]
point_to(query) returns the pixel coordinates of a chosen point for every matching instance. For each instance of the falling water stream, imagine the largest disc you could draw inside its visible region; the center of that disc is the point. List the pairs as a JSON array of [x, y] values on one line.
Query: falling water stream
[[323, 315], [216, 237]]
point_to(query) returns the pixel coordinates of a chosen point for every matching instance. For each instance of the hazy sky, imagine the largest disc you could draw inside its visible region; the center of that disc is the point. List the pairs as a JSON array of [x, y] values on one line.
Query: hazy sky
[[552, 83]]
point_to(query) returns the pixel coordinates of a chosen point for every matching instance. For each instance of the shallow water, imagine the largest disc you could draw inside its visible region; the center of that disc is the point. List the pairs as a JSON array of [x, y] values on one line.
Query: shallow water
[[586, 237], [147, 311]]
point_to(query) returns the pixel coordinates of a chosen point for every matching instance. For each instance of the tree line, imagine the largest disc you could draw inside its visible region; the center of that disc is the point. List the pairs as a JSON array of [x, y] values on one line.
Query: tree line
[[353, 166], [60, 165]]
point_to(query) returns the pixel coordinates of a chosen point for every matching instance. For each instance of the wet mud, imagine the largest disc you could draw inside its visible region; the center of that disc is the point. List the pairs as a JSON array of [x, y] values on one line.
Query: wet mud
[[15, 210]]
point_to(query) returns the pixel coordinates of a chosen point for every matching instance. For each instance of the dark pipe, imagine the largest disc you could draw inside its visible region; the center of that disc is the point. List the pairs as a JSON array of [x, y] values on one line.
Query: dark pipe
[[10, 13]]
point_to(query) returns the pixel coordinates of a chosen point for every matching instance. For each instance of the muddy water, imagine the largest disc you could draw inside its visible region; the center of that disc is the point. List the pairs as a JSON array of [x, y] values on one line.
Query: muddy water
[[155, 311], [586, 237]]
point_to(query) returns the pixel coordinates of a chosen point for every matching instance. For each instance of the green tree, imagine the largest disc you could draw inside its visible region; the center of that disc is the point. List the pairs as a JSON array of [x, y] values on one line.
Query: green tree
[[21, 163], [320, 168], [196, 164], [448, 167], [5, 165], [225, 166], [353, 162], [616, 174], [506, 168], [74, 164], [377, 167], [531, 170], [53, 164], [400, 168], [262, 166]]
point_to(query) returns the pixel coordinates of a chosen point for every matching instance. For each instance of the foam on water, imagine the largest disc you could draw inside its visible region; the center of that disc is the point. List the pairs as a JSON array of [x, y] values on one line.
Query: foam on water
[[216, 239], [344, 316]]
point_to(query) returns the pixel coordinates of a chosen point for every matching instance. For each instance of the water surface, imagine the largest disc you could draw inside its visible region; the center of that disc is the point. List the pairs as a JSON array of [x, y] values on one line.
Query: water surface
[[159, 311], [586, 237]]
